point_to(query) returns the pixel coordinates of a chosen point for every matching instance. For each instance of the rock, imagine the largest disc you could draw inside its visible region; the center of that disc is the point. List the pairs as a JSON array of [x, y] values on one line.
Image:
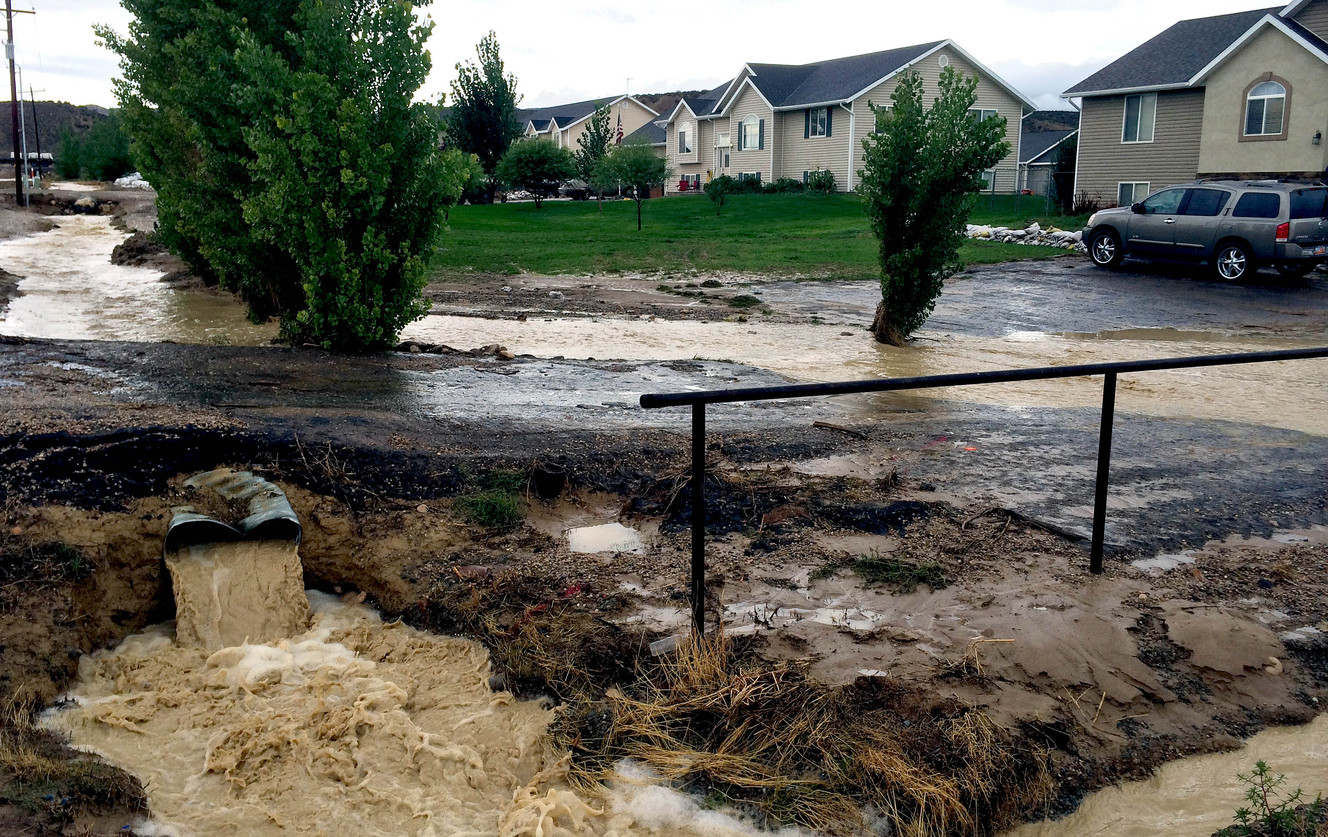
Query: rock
[[86, 203], [498, 683], [422, 508], [503, 354], [414, 348], [555, 294]]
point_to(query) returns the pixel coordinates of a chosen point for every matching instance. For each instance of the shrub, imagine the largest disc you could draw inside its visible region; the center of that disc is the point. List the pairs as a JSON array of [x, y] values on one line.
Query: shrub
[[821, 180], [784, 184], [1275, 812], [1083, 204]]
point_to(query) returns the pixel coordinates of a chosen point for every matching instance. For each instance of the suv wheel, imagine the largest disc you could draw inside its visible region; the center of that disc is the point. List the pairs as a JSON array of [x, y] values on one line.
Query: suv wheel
[[1232, 261], [1104, 249], [1294, 270]]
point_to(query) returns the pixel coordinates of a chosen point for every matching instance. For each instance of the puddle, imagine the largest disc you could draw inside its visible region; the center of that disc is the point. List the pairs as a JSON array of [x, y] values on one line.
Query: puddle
[[70, 290], [1194, 797], [607, 537]]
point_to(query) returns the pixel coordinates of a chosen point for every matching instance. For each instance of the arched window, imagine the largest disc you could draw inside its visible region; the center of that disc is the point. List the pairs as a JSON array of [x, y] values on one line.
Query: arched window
[[1265, 109], [751, 132], [685, 138]]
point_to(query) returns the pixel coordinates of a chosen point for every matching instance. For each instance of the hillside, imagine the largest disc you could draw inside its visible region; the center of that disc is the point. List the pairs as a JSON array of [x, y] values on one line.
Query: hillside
[[52, 119]]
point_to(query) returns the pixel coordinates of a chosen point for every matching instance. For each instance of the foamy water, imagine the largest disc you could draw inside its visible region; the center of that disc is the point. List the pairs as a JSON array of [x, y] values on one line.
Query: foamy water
[[353, 726]]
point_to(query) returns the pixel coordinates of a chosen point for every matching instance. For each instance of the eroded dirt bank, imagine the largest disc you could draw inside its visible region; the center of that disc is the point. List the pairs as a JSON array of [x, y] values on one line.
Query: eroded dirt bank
[[831, 548]]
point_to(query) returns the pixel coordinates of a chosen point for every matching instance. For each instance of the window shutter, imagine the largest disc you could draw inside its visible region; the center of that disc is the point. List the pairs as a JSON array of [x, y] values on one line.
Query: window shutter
[[739, 134], [829, 112], [806, 123], [760, 135], [804, 178]]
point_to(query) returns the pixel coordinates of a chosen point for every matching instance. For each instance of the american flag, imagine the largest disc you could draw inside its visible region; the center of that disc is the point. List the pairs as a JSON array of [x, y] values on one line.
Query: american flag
[[619, 140]]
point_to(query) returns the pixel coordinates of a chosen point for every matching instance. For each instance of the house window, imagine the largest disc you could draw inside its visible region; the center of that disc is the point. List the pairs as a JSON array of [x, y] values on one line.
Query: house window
[[1265, 109], [1129, 193], [1140, 117], [722, 140], [981, 114], [750, 175], [684, 139], [750, 135], [816, 122]]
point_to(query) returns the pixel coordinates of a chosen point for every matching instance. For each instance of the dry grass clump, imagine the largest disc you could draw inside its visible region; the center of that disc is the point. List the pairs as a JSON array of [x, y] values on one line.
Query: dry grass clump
[[543, 634], [42, 776], [769, 737]]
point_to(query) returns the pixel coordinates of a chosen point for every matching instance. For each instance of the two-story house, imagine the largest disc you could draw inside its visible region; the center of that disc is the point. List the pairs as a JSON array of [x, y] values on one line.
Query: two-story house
[[1241, 96], [564, 124], [776, 121]]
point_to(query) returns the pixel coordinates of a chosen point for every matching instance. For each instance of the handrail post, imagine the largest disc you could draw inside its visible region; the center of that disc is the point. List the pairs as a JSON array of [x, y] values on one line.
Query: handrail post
[[1103, 472], [698, 519]]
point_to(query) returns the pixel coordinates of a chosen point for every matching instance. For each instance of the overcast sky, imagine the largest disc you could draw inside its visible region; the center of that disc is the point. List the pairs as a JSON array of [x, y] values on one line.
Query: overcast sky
[[568, 50]]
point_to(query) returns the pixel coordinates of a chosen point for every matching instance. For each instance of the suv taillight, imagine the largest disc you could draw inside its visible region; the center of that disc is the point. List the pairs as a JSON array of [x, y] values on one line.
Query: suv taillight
[[1283, 232]]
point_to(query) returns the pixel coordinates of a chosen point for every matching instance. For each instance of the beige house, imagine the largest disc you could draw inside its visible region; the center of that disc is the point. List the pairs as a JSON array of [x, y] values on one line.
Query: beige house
[[777, 121], [1239, 96], [564, 124]]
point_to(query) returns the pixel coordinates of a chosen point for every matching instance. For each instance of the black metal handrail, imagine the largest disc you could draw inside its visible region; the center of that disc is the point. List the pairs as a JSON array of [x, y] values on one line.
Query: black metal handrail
[[1109, 371]]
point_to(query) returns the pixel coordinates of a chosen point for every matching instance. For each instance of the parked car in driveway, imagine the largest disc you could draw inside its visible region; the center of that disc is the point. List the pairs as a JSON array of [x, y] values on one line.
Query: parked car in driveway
[[1235, 226]]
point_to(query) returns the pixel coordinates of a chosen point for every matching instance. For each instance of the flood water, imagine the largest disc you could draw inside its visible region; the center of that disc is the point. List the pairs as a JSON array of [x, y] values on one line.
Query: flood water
[[70, 290], [1196, 796], [1292, 395], [351, 726]]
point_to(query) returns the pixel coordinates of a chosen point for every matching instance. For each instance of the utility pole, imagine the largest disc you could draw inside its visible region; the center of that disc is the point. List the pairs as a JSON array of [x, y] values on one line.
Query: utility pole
[[13, 99], [13, 96]]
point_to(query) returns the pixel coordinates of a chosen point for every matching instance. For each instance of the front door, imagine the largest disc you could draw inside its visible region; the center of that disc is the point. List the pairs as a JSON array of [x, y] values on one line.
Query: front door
[[1154, 231]]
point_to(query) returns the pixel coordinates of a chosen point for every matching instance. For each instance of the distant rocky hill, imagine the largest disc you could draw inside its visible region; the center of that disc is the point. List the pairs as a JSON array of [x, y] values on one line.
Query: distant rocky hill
[[664, 103], [52, 118]]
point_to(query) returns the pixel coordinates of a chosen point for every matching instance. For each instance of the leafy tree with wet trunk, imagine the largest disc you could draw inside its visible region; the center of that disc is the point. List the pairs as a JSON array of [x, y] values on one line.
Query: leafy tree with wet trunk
[[638, 168], [483, 119], [290, 161], [592, 148], [921, 168], [536, 165]]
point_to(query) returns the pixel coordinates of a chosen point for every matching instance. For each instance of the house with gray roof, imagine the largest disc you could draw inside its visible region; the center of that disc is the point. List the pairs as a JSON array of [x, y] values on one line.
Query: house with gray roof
[[564, 124], [775, 121], [1229, 96], [1040, 149]]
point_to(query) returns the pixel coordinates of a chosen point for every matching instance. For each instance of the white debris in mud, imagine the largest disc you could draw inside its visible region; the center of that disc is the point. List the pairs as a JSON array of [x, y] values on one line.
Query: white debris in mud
[[1162, 563], [1032, 234], [133, 180]]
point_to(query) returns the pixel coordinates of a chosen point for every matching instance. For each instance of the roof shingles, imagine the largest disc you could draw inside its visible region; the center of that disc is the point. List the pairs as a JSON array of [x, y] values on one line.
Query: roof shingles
[[1172, 58]]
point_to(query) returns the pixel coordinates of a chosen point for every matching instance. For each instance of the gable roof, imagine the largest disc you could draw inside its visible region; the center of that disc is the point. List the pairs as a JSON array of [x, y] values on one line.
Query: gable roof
[[1171, 59], [1035, 144], [702, 105], [836, 80], [651, 133], [1293, 30], [568, 114]]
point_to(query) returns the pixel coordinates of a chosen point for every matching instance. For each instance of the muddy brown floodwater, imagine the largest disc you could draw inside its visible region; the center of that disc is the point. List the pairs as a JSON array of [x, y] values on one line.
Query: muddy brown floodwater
[[1197, 796], [71, 290], [354, 726], [814, 352]]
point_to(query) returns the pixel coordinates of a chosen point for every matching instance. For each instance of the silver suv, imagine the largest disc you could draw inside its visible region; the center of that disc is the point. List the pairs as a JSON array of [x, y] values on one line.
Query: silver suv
[[1235, 226]]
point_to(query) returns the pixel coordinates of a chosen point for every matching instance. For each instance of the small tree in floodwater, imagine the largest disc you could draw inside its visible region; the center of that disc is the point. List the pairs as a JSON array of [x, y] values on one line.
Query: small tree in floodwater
[[921, 168]]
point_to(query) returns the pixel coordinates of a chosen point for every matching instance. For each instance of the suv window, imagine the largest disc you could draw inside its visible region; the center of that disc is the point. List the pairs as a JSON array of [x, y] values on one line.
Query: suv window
[[1166, 202], [1309, 203], [1258, 205], [1206, 202]]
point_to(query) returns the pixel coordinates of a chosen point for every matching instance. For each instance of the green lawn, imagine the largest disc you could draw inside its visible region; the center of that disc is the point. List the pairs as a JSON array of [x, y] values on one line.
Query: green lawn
[[813, 235]]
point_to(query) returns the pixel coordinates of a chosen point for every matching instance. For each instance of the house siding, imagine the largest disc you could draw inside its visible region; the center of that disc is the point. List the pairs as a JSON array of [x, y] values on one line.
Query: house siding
[[797, 154], [1314, 17], [1222, 152], [634, 116], [989, 96], [697, 163], [749, 102], [1172, 157]]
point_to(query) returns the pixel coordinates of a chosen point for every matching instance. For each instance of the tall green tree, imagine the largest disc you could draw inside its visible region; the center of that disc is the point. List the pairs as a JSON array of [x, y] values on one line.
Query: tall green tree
[[290, 161], [638, 168], [593, 147], [483, 118], [921, 168], [536, 165]]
